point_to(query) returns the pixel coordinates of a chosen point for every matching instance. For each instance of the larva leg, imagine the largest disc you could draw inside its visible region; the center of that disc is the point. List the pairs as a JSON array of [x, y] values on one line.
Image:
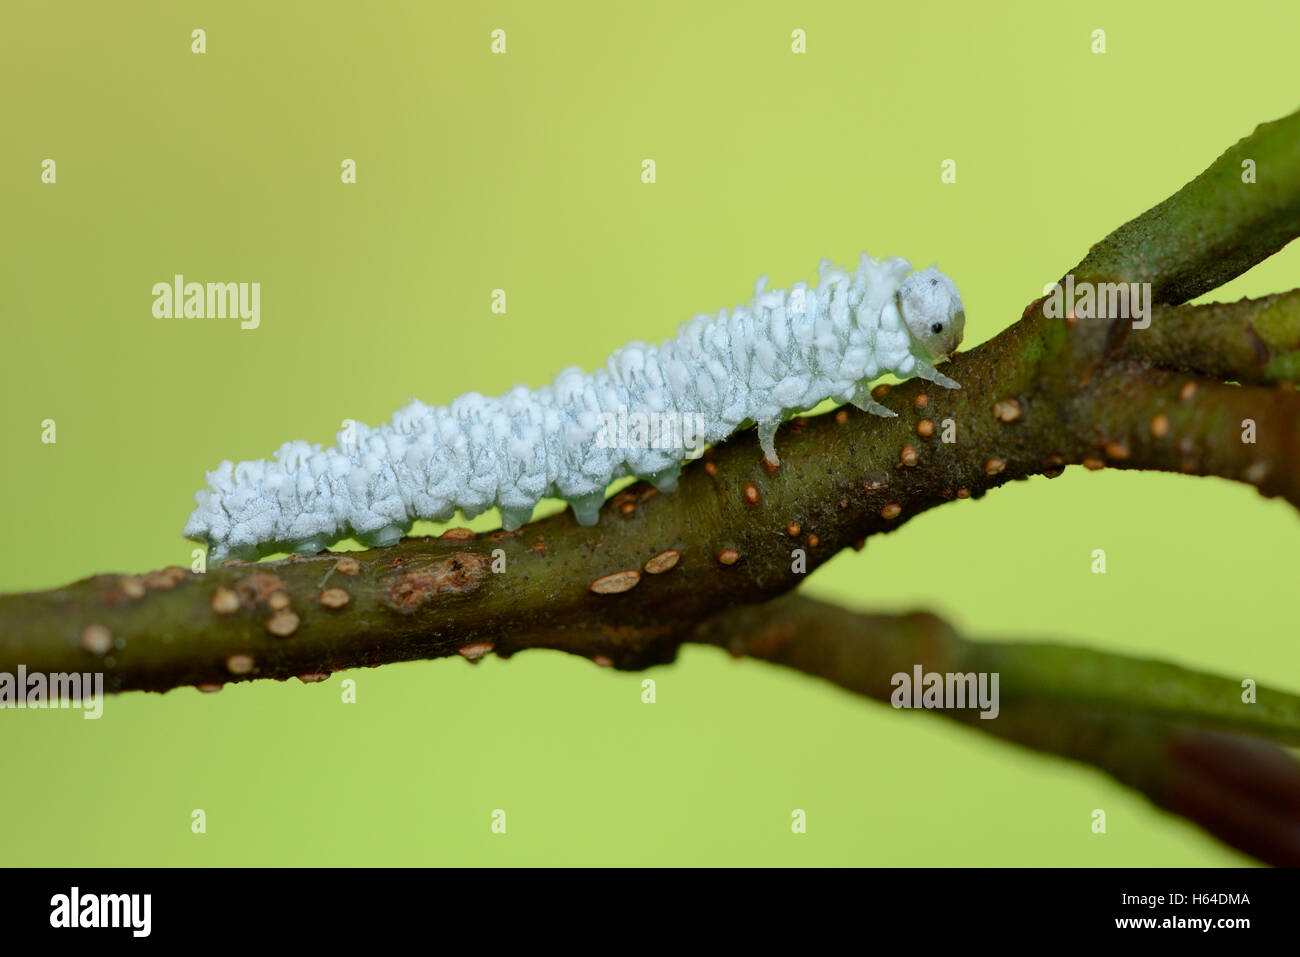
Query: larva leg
[[381, 537], [862, 399], [586, 508], [310, 546], [928, 372], [767, 441], [513, 518], [666, 479]]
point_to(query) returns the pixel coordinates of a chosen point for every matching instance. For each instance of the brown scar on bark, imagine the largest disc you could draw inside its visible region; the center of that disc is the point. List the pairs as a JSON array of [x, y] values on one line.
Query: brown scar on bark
[[662, 562], [616, 583], [111, 592], [419, 582], [131, 586], [164, 578], [258, 587]]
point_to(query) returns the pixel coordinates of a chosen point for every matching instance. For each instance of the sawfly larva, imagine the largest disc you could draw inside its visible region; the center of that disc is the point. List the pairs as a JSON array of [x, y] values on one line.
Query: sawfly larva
[[782, 352]]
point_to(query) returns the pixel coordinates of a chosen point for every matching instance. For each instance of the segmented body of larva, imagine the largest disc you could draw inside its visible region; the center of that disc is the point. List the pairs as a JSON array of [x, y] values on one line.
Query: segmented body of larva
[[650, 408]]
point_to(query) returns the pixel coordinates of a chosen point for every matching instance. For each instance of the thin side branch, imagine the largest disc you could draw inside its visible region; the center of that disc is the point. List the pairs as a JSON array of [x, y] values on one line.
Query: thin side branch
[[1251, 340], [1185, 739], [1237, 213]]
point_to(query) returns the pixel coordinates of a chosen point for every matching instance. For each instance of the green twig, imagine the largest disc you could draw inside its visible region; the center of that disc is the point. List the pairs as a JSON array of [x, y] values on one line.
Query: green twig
[[1214, 228], [1189, 741]]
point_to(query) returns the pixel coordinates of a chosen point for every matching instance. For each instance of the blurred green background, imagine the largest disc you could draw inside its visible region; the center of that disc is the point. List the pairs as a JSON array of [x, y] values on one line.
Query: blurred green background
[[522, 171]]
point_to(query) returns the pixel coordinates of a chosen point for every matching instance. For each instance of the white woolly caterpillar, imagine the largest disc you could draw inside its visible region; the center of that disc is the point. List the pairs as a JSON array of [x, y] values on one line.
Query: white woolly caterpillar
[[647, 410]]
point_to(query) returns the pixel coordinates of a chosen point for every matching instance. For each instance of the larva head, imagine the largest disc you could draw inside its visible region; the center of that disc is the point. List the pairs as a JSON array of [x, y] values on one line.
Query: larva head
[[931, 306]]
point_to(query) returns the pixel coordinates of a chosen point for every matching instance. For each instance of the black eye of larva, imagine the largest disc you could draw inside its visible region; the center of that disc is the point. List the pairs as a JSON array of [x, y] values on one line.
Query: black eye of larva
[[934, 282], [937, 327]]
